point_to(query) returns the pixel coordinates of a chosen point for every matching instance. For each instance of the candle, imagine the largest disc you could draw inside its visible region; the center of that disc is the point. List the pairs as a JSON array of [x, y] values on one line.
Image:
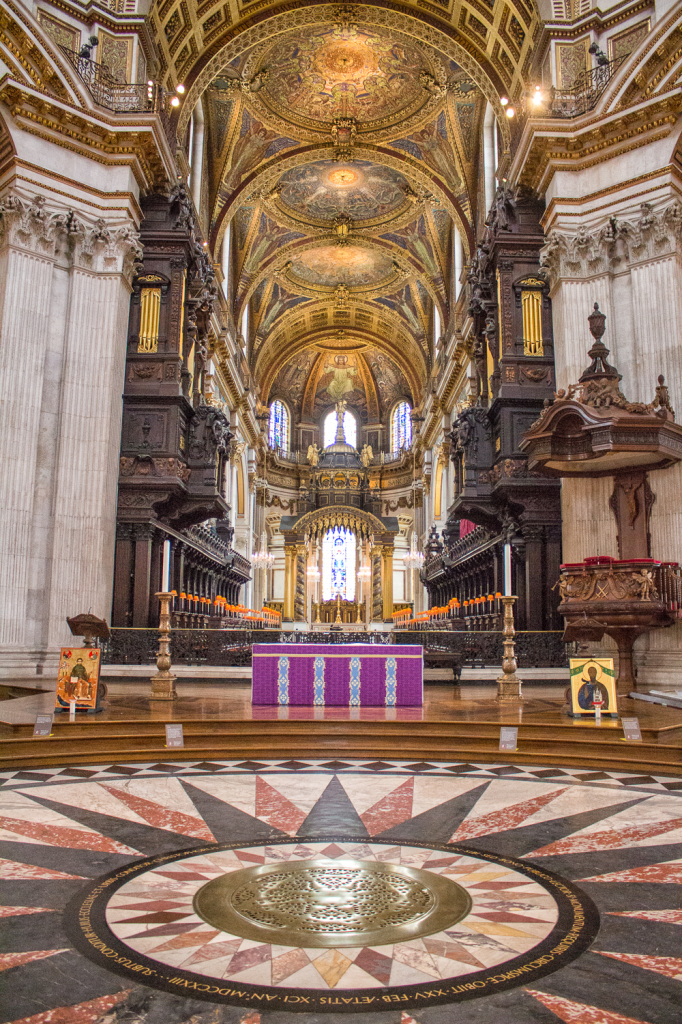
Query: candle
[[507, 571], [165, 575]]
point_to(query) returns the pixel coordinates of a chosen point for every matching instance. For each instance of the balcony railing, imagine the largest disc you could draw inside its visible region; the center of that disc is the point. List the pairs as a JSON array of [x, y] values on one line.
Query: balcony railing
[[109, 92], [567, 103], [583, 96]]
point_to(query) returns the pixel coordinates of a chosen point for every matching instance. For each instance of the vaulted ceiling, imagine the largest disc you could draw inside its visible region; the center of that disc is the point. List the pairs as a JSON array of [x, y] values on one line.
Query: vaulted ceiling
[[342, 147]]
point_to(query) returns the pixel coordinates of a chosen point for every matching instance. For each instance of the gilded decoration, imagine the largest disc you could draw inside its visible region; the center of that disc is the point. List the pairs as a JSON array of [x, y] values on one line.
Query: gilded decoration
[[304, 19], [325, 189], [337, 72], [352, 266]]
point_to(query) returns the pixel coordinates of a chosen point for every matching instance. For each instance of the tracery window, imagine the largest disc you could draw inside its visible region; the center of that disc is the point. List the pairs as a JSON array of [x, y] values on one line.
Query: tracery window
[[350, 428], [278, 434], [401, 427], [338, 564]]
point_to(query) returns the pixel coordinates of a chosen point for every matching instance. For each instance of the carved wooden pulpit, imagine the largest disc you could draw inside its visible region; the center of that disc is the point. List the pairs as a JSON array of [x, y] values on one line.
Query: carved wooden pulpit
[[592, 430]]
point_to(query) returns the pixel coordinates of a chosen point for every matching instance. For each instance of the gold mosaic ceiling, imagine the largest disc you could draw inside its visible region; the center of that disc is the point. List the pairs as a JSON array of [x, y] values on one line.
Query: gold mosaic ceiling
[[343, 148]]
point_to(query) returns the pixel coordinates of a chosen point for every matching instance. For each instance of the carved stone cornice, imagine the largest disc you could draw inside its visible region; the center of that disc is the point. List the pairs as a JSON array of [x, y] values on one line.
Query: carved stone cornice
[[614, 246], [140, 142], [29, 223]]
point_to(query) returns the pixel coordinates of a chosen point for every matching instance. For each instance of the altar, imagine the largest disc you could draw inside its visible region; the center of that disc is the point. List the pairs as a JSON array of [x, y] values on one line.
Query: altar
[[338, 675]]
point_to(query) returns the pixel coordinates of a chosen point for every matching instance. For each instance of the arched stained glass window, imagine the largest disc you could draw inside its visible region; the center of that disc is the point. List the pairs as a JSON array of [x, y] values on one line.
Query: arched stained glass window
[[350, 428], [401, 427], [278, 433], [338, 564]]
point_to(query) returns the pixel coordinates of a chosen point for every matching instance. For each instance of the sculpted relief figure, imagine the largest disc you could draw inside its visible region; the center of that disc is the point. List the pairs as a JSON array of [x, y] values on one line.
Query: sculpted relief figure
[[313, 454], [366, 455]]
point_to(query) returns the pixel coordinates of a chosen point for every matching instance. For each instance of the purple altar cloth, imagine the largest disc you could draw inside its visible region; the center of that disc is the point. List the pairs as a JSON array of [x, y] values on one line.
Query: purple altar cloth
[[338, 675]]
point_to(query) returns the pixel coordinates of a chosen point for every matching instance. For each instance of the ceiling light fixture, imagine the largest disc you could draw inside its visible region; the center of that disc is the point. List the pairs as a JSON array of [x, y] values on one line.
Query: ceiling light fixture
[[504, 101], [180, 88], [510, 111], [175, 102]]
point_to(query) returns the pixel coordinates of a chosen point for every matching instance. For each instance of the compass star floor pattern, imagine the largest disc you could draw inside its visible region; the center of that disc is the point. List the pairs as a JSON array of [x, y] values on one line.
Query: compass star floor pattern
[[130, 845]]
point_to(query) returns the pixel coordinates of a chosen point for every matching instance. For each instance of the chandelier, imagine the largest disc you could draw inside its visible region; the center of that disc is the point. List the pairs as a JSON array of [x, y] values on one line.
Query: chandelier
[[413, 559], [313, 573], [263, 558], [365, 572]]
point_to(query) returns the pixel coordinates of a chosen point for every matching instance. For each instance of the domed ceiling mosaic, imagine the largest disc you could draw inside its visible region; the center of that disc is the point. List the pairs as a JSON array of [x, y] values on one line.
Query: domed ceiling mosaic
[[349, 265], [325, 189], [343, 72], [342, 157]]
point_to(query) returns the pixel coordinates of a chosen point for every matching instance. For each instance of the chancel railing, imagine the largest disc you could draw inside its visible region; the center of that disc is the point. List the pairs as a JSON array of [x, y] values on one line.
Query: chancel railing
[[233, 646]]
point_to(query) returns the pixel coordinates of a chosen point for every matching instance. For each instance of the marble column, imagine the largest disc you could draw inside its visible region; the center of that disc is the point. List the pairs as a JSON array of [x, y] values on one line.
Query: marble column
[[64, 287]]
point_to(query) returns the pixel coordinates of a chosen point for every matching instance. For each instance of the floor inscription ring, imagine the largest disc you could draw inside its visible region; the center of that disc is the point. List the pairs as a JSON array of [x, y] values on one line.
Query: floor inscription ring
[[158, 921], [351, 903]]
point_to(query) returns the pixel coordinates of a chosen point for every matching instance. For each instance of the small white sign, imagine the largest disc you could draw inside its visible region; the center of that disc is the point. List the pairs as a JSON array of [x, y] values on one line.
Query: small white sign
[[43, 725], [508, 737], [631, 729], [174, 737]]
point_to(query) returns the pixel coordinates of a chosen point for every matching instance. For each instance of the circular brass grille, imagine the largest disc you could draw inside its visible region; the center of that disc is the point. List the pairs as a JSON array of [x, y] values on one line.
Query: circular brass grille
[[349, 903]]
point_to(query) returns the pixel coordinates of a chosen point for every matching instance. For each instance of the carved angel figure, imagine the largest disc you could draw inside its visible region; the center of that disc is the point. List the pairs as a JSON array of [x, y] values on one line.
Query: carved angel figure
[[366, 455], [647, 589], [313, 454]]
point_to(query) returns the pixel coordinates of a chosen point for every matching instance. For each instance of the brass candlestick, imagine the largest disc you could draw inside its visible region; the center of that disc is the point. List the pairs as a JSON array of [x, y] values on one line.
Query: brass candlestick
[[509, 684], [338, 624], [163, 683]]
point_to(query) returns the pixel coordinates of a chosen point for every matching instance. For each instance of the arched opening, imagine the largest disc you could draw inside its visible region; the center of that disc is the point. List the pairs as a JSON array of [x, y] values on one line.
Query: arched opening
[[401, 427], [278, 431], [350, 428], [338, 564]]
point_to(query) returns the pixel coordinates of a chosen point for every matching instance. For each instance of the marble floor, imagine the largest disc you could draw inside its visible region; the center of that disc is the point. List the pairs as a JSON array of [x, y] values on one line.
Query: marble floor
[[572, 879]]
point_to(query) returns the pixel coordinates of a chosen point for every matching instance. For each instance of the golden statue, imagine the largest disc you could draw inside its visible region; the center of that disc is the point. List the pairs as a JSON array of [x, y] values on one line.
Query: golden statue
[[366, 455], [313, 454]]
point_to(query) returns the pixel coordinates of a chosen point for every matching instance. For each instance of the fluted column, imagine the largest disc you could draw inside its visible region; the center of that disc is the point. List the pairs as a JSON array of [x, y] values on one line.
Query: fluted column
[[63, 316], [89, 433]]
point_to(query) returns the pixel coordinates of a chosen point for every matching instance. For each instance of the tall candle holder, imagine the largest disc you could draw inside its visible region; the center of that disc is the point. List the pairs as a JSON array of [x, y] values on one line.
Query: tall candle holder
[[509, 684], [163, 683]]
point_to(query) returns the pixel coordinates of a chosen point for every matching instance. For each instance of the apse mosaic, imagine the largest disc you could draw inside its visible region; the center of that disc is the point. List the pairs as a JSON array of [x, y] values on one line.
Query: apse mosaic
[[431, 145], [353, 266], [570, 878], [362, 190], [333, 73]]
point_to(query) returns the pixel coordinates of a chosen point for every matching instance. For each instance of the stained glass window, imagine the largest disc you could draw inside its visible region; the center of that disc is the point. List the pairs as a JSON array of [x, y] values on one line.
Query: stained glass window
[[338, 564], [350, 428], [279, 425], [401, 427]]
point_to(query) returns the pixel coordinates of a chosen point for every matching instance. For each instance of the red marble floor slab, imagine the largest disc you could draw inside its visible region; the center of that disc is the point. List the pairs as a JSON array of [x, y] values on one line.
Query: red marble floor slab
[[15, 870], [162, 817], [392, 809], [504, 819], [607, 839], [8, 960], [580, 1013], [58, 835], [89, 1012], [667, 916], [666, 872], [669, 965], [276, 810]]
